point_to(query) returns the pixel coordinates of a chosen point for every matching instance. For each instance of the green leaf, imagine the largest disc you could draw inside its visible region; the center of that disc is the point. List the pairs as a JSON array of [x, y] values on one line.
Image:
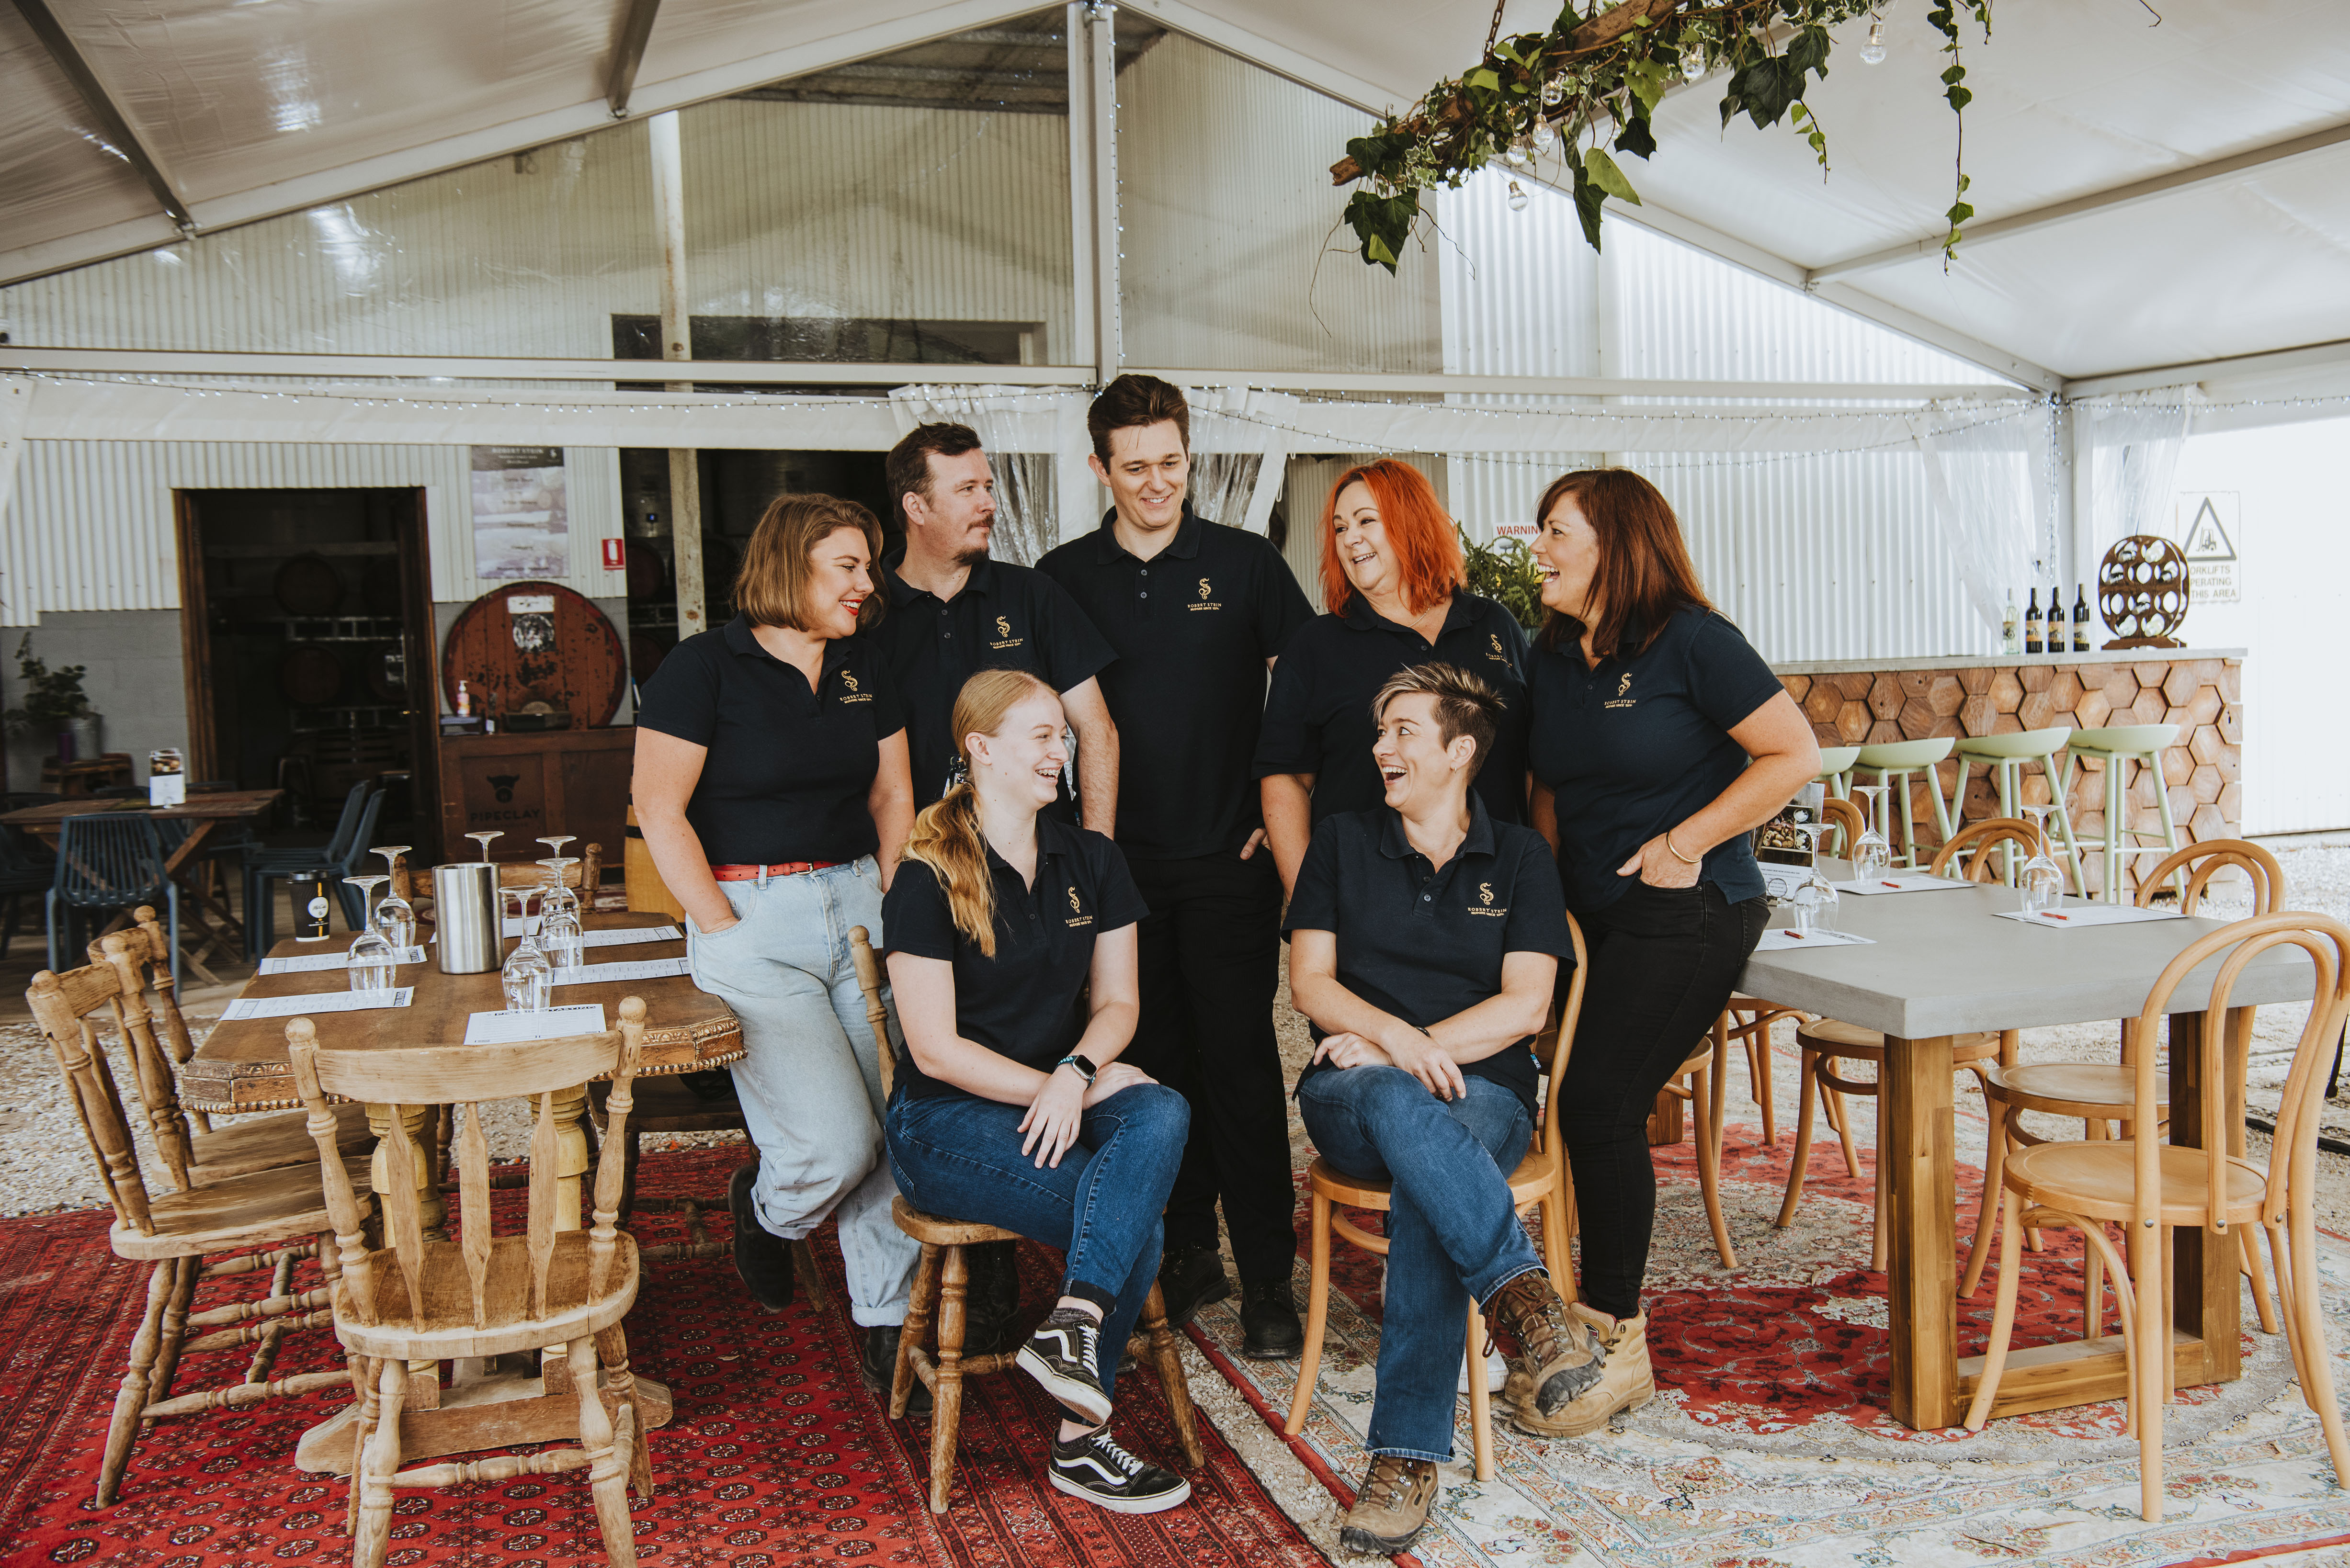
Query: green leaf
[[1635, 137], [1808, 50], [1955, 75], [1648, 79], [1482, 77], [1960, 98], [1603, 172]]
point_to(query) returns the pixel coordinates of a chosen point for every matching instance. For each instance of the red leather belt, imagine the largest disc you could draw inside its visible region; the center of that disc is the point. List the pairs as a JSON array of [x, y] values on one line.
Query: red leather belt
[[787, 868]]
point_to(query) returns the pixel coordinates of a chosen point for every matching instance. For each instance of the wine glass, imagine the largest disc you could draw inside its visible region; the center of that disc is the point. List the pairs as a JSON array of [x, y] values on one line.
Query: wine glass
[[484, 840], [559, 935], [372, 965], [525, 976], [1872, 857], [1815, 896], [394, 916], [2042, 882]]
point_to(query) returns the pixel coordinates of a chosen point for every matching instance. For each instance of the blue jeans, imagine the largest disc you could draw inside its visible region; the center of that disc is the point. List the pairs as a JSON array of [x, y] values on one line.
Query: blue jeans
[[1452, 1232], [959, 1158]]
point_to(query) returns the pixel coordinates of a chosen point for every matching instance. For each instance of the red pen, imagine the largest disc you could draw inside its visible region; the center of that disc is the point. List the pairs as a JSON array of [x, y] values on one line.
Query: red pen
[[1883, 884], [1794, 935], [2052, 915]]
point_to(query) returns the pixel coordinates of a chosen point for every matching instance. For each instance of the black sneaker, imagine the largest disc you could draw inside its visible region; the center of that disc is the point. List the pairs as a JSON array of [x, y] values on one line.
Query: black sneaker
[[1269, 1324], [877, 1364], [1094, 1468], [762, 1261], [1188, 1278], [1064, 1355]]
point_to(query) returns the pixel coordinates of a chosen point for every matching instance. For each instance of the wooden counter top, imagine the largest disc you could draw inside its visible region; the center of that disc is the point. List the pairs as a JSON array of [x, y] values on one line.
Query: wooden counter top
[[2005, 661]]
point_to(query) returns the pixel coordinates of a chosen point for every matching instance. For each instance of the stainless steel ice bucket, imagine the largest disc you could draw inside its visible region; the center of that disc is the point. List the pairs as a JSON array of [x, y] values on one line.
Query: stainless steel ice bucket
[[467, 918]]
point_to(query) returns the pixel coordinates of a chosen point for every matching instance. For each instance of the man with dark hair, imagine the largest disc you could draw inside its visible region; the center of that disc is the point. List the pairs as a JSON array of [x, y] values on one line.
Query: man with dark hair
[[953, 613], [1197, 612]]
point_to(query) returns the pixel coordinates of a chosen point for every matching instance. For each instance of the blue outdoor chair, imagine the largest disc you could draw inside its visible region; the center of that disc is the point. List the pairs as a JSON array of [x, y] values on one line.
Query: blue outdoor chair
[[261, 915], [266, 867], [107, 862]]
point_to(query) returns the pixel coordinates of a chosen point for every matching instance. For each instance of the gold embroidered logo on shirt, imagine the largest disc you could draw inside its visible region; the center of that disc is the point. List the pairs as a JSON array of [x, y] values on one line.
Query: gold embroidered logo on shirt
[[1003, 635], [1002, 627], [1499, 654], [1077, 916], [1485, 892], [853, 694], [1621, 700], [1205, 603]]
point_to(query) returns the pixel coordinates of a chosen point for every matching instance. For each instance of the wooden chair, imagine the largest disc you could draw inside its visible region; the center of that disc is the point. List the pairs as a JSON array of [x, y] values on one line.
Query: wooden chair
[[941, 1278], [1700, 1083], [417, 1299], [2099, 1093], [2150, 1188], [1847, 819], [2009, 834], [177, 1230], [1824, 1041], [194, 1151], [1747, 1021], [1540, 1178]]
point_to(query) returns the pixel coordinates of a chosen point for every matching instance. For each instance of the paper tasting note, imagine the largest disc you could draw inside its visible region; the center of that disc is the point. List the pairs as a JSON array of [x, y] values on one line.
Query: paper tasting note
[[1899, 882], [246, 1007], [302, 962], [604, 973], [632, 935], [508, 1028], [2074, 917], [1782, 939]]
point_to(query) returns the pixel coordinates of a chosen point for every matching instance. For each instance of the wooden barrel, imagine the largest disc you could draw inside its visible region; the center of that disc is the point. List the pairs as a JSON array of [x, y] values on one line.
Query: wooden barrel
[[648, 894]]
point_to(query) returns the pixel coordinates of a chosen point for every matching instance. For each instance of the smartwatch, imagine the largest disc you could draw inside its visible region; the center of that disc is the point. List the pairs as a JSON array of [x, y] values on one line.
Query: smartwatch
[[1085, 1069]]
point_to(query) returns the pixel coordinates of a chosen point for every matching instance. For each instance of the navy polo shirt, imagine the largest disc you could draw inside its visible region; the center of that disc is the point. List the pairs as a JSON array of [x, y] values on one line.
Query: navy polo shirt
[[1641, 743], [1023, 1003], [1318, 719], [1005, 617], [1193, 626], [1424, 944], [789, 768]]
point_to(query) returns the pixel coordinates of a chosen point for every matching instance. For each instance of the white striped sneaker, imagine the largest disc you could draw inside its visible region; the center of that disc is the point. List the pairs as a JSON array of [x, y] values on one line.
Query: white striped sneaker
[[1094, 1468], [1064, 1355]]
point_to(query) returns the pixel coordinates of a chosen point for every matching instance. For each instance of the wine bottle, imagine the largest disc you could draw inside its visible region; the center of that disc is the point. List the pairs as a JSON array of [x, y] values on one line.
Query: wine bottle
[[2008, 642], [2081, 618], [2031, 625]]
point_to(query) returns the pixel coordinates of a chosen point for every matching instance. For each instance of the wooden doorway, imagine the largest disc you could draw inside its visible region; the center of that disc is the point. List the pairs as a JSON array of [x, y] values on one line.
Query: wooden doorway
[[307, 630]]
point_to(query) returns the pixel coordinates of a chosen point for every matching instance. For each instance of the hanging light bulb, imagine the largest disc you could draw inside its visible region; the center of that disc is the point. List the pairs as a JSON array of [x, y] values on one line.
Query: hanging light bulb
[[1554, 91], [1518, 197], [1873, 51], [1692, 64], [1544, 139], [1517, 156]]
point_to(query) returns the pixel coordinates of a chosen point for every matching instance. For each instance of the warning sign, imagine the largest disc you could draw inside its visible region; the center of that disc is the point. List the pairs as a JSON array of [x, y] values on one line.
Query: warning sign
[[2209, 529]]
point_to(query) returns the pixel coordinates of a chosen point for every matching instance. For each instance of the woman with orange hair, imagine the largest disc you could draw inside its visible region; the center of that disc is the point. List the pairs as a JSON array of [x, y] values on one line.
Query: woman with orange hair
[[1392, 577]]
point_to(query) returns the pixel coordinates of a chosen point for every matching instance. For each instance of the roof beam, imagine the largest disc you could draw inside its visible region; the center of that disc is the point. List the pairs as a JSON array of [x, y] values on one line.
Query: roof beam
[[629, 52], [2097, 202], [2238, 367], [112, 124]]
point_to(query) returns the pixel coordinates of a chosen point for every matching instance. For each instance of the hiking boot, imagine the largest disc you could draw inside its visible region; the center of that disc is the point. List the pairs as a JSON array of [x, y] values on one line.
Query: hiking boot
[[1064, 1355], [1094, 1468], [877, 1364], [1559, 1353], [763, 1260], [1188, 1278], [992, 1323], [1269, 1323], [1625, 1383], [1392, 1508]]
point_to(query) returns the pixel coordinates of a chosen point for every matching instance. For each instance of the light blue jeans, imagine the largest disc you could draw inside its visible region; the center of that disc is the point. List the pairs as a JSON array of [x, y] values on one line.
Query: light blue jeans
[[811, 1081]]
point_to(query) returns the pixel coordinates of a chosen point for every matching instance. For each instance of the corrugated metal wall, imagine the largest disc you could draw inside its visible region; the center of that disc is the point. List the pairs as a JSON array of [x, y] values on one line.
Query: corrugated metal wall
[[1227, 255]]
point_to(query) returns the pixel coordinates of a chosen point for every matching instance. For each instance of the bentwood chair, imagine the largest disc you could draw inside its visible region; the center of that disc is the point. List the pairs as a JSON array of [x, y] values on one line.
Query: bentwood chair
[[939, 1279], [173, 1221], [1541, 1179], [1849, 824], [413, 1300], [2149, 1188]]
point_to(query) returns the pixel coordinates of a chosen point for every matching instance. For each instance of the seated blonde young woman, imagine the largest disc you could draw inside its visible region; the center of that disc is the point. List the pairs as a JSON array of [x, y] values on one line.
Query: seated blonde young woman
[[1012, 1108]]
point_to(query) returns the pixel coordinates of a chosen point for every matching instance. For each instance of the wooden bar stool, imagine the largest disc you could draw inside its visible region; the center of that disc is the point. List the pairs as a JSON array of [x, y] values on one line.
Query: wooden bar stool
[[1894, 764], [1836, 770], [940, 1280], [2004, 756], [2117, 747]]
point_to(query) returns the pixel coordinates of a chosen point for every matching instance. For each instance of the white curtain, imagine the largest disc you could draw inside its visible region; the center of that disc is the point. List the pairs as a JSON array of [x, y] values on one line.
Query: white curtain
[[2134, 444], [1017, 426], [1987, 481]]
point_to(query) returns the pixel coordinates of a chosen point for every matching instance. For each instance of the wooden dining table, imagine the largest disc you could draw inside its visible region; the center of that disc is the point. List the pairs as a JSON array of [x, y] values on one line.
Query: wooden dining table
[[202, 814], [242, 1067], [1939, 964]]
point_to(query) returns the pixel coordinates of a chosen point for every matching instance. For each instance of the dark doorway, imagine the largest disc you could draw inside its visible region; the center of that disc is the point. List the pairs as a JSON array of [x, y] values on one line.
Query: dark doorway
[[307, 626]]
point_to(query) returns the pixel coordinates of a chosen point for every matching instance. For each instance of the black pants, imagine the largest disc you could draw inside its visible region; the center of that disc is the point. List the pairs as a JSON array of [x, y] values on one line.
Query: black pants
[[1663, 962], [1211, 960]]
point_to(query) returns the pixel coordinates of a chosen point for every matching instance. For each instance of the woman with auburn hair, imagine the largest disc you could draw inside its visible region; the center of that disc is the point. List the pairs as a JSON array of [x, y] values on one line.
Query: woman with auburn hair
[[772, 790], [1392, 578], [1011, 952], [1660, 740]]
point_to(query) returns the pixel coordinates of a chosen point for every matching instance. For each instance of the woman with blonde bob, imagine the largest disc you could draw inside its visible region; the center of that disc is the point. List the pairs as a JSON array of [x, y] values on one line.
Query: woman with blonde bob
[[772, 791], [1012, 953], [1394, 580]]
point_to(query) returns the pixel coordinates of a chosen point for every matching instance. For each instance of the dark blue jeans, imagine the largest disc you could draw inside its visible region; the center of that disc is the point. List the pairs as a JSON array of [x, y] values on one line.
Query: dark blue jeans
[[1452, 1232], [959, 1158]]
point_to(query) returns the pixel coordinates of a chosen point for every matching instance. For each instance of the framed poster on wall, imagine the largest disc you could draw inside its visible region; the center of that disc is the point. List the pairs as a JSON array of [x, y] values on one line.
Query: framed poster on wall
[[522, 526]]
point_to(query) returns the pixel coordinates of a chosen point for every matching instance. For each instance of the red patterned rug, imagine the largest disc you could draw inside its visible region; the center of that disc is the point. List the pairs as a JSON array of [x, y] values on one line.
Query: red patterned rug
[[776, 1455]]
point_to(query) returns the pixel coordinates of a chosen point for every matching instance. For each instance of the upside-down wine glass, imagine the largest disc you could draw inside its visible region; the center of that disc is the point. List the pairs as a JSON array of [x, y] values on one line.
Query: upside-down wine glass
[[559, 934], [1815, 896], [371, 964], [484, 840], [2041, 883], [1872, 857], [395, 917], [526, 976]]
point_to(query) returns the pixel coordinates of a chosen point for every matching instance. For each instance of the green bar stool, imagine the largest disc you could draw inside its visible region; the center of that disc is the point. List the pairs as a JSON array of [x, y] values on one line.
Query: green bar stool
[[2118, 746], [2004, 756], [1900, 761], [1835, 769]]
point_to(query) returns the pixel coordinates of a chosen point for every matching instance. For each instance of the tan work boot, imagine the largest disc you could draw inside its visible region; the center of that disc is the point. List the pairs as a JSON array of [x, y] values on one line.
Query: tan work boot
[[1392, 1508], [1626, 1382], [1559, 1351]]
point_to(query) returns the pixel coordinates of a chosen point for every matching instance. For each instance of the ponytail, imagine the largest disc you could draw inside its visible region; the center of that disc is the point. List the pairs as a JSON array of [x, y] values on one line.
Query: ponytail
[[947, 836]]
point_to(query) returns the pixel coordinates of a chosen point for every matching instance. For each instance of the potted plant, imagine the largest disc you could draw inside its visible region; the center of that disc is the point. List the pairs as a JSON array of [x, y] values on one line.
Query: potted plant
[[54, 703], [1503, 571]]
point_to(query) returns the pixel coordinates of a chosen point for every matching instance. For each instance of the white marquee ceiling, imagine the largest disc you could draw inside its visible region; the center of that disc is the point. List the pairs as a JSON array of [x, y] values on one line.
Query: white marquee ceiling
[[2225, 130]]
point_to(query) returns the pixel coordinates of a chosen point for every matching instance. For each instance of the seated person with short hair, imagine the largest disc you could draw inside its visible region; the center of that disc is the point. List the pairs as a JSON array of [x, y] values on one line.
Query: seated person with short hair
[[1425, 940]]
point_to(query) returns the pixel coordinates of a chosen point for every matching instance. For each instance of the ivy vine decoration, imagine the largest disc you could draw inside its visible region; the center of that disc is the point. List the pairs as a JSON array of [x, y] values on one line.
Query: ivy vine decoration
[[1541, 92]]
